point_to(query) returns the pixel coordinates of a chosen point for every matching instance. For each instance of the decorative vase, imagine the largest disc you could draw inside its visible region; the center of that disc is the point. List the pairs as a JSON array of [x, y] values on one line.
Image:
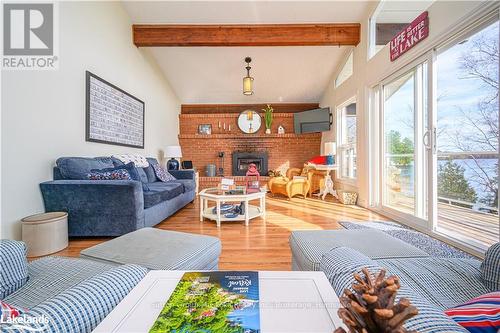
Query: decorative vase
[[172, 164], [268, 131]]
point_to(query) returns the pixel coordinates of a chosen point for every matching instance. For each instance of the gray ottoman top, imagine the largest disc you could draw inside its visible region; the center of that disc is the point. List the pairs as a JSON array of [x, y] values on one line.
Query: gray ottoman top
[[158, 249], [309, 246]]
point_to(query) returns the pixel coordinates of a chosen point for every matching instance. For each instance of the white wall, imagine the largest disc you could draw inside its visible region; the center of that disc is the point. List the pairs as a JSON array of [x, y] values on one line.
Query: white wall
[[444, 16], [43, 112]]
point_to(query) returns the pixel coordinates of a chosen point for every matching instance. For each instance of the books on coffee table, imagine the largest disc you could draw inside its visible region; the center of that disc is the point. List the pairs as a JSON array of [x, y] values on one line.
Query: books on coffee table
[[214, 302]]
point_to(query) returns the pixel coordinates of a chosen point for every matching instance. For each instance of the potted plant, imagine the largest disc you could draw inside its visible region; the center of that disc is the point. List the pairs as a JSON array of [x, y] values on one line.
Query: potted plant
[[268, 118]]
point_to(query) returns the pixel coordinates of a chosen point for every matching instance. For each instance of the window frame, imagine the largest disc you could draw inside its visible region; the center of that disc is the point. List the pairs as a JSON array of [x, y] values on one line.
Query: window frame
[[372, 31], [350, 54], [341, 137]]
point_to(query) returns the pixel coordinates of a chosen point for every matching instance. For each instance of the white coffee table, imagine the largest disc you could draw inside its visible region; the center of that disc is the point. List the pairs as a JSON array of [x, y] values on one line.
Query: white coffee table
[[290, 302], [251, 211]]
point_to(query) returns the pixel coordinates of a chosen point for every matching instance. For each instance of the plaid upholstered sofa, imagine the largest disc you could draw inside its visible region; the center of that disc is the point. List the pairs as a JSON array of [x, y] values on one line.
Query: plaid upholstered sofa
[[59, 294], [433, 284]]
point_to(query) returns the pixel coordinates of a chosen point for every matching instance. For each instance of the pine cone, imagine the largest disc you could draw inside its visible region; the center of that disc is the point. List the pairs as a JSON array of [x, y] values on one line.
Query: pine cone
[[371, 308]]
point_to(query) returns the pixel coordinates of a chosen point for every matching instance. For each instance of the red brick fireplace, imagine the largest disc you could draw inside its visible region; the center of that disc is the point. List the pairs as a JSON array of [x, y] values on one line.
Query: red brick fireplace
[[282, 150]]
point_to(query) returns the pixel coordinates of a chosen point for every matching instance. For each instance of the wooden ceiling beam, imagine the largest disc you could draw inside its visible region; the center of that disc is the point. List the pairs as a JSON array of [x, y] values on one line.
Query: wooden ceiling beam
[[247, 35], [237, 108]]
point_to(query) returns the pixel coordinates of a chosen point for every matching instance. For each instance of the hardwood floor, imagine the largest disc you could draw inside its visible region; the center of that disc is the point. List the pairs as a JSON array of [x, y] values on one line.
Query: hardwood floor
[[263, 245]]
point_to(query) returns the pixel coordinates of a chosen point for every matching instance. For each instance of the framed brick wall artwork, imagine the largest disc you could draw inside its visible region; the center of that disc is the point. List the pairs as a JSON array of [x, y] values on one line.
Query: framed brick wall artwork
[[113, 116]]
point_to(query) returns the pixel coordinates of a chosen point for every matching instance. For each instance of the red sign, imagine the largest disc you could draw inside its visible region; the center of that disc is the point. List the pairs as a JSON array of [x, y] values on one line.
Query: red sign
[[410, 36]]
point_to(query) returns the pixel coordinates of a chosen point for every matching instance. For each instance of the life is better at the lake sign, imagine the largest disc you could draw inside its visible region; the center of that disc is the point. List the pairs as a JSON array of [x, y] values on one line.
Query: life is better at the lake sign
[[415, 32]]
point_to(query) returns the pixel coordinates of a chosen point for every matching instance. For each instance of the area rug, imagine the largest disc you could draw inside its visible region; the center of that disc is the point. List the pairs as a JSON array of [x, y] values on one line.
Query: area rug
[[432, 246]]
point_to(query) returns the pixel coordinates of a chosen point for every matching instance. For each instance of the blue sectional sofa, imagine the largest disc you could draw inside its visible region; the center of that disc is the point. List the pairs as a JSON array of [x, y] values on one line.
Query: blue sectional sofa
[[113, 207]]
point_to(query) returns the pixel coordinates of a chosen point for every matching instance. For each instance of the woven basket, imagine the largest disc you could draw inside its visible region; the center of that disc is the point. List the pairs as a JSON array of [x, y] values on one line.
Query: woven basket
[[347, 198]]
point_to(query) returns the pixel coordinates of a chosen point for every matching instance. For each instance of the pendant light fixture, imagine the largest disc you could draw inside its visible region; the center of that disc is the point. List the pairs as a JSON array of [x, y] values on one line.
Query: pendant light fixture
[[248, 80]]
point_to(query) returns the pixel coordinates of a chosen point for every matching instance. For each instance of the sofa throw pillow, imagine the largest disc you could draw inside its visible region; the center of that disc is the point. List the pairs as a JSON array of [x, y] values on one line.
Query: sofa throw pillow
[[481, 314], [78, 167], [138, 160], [9, 312], [162, 173], [131, 169], [490, 267], [119, 174], [13, 266]]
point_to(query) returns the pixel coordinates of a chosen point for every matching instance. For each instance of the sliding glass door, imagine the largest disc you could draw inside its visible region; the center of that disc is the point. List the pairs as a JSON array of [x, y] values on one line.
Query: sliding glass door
[[438, 139], [467, 137], [404, 113]]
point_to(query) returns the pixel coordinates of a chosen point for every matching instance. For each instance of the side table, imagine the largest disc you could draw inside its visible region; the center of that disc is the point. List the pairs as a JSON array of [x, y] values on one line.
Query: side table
[[45, 233], [328, 187]]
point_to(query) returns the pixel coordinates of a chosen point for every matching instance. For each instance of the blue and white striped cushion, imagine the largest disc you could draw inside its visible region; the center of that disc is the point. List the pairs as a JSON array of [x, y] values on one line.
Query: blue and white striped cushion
[[172, 251], [443, 282], [490, 268], [339, 265], [13, 266], [51, 276], [81, 308]]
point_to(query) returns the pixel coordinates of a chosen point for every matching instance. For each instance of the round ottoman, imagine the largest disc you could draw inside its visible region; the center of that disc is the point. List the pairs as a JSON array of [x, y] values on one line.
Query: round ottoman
[[45, 233]]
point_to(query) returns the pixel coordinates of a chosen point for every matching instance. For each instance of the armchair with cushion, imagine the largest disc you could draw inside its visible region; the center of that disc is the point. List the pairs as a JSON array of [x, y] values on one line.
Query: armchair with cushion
[[289, 186]]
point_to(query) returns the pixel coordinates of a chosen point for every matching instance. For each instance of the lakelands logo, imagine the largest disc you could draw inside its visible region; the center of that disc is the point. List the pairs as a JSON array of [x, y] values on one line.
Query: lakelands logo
[[29, 36]]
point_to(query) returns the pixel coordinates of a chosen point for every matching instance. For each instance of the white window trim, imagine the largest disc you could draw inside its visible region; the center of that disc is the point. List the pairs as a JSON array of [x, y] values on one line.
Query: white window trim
[[372, 31], [346, 59], [340, 133]]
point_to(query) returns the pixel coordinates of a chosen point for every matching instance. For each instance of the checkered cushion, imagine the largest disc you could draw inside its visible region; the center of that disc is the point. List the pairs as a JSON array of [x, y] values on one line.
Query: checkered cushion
[[159, 249], [443, 282], [308, 246], [81, 308], [490, 268], [13, 266], [51, 276], [339, 265]]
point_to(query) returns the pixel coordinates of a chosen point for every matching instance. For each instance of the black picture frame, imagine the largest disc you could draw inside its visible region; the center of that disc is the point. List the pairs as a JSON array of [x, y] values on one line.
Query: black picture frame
[[88, 111]]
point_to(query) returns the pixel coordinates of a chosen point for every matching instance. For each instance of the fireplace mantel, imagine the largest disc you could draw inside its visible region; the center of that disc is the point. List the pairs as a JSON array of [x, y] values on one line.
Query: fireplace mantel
[[284, 150]]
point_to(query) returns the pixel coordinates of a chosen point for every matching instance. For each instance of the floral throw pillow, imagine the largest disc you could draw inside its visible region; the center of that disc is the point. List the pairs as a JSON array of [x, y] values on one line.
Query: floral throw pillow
[[139, 160], [162, 173], [118, 174]]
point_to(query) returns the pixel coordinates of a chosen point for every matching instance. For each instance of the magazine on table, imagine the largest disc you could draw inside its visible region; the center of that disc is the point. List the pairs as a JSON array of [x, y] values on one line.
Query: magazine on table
[[211, 302]]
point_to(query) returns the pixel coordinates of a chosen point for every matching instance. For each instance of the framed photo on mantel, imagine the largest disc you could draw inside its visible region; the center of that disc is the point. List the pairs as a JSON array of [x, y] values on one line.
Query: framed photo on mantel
[[113, 116]]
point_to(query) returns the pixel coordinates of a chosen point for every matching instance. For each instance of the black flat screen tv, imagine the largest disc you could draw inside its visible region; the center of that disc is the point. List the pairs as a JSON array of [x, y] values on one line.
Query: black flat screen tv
[[317, 120]]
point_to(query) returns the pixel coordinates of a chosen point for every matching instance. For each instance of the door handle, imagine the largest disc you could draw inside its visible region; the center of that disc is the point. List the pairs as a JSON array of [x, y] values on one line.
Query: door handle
[[426, 140], [434, 140], [429, 139]]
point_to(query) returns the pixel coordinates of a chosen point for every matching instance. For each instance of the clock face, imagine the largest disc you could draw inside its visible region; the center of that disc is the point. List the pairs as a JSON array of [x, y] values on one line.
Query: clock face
[[249, 121]]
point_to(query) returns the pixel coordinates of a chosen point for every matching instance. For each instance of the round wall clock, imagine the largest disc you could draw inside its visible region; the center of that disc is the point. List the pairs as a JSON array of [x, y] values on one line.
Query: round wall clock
[[249, 121]]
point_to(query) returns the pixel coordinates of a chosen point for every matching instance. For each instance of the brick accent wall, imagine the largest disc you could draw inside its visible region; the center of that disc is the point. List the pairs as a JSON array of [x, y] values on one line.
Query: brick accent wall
[[207, 182], [284, 151]]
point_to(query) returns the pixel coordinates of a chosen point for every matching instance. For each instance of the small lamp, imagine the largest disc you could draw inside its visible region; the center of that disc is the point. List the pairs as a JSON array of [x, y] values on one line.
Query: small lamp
[[330, 152], [173, 152]]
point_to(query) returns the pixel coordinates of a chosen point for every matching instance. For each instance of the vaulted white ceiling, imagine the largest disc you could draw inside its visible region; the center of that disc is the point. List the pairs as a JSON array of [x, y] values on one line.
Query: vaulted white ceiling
[[214, 74]]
